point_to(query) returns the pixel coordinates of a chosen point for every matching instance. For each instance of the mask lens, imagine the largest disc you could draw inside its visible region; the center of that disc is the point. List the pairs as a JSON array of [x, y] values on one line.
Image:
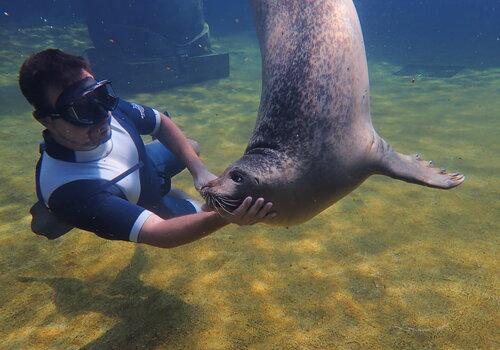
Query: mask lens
[[86, 111], [92, 108], [105, 96]]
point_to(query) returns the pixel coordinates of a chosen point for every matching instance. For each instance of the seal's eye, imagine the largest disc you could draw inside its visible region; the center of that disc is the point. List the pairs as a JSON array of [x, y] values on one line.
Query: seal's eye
[[236, 177]]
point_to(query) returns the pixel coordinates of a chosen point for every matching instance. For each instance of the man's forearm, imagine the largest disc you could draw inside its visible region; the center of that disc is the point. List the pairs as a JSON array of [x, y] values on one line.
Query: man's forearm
[[181, 230], [173, 138]]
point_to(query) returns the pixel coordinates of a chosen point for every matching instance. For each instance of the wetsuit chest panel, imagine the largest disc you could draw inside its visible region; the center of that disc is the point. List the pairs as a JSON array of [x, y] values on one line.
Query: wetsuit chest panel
[[122, 155]]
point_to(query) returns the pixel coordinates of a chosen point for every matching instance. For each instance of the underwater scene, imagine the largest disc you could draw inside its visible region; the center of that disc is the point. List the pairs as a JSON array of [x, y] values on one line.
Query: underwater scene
[[390, 266]]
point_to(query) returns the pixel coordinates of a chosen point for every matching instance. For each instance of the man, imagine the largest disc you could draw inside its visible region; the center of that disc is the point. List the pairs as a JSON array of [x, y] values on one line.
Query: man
[[95, 172]]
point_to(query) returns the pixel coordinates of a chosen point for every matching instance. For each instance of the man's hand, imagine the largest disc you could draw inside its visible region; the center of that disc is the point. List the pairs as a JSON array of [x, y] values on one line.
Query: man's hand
[[249, 215], [202, 178]]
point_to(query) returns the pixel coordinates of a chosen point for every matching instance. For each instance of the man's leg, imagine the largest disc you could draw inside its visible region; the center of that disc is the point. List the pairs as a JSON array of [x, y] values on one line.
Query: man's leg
[[174, 202], [179, 203]]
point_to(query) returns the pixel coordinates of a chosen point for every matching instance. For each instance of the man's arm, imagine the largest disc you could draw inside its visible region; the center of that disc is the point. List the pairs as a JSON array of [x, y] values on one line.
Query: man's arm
[[180, 230], [185, 229], [173, 138]]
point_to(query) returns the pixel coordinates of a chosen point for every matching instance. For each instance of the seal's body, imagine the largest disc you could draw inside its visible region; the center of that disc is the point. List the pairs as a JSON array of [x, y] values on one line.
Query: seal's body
[[313, 142]]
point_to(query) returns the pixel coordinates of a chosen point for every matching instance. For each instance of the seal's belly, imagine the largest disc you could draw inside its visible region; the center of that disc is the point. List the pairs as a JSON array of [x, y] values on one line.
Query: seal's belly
[[308, 196]]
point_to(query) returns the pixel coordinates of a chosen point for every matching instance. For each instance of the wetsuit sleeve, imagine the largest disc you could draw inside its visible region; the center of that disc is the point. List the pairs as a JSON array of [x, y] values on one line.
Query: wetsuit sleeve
[[145, 119], [105, 213]]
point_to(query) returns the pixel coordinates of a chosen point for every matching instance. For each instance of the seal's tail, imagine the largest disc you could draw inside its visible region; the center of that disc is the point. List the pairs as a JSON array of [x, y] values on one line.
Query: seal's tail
[[412, 169]]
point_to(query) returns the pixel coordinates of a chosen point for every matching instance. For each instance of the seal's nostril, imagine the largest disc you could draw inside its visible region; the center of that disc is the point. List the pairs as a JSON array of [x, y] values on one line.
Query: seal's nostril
[[204, 189]]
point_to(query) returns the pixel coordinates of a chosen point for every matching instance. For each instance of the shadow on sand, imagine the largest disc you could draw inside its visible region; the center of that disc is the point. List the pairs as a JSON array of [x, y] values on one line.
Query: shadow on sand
[[147, 316]]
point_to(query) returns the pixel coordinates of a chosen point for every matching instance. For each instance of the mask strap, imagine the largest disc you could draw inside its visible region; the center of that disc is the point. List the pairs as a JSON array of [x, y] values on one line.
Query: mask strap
[[40, 114]]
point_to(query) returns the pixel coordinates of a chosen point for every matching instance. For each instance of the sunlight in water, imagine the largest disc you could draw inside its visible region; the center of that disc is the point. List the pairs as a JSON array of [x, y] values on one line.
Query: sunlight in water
[[392, 265]]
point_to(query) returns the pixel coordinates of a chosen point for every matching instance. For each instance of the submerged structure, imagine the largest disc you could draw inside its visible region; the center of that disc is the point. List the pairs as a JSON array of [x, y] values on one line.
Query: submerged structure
[[152, 44]]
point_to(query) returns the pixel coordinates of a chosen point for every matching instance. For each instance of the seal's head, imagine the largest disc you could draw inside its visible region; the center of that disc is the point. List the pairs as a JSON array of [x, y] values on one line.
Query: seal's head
[[256, 174]]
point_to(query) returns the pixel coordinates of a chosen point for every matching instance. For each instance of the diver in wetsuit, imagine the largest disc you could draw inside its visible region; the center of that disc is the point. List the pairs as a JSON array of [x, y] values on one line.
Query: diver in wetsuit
[[95, 172]]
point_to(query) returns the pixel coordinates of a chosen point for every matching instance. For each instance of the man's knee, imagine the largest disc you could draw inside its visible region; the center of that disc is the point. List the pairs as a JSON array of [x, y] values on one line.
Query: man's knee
[[195, 145]]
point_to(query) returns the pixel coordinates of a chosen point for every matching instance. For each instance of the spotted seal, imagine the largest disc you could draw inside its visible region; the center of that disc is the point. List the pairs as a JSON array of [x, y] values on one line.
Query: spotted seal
[[313, 142]]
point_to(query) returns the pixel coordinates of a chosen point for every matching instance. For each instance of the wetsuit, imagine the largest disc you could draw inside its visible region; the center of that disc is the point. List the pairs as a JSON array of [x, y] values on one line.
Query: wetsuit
[[75, 184]]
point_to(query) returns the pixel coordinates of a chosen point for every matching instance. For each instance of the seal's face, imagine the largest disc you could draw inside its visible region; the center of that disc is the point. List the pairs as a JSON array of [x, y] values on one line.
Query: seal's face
[[246, 177], [228, 191]]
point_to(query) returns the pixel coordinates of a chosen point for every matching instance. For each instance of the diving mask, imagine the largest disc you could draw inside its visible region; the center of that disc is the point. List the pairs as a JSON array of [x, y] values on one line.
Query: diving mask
[[84, 103]]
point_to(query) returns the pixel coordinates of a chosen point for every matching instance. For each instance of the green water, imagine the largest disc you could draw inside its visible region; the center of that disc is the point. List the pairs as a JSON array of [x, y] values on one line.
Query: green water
[[392, 266]]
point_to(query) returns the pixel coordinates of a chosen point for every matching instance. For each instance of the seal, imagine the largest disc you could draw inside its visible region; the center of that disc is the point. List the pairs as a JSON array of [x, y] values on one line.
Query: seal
[[313, 141]]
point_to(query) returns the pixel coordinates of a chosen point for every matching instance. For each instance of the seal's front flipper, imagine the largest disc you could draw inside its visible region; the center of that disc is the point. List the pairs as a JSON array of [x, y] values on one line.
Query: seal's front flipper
[[414, 169]]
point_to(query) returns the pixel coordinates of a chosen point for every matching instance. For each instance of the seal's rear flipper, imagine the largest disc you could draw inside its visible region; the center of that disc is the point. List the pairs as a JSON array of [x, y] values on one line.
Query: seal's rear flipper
[[414, 169]]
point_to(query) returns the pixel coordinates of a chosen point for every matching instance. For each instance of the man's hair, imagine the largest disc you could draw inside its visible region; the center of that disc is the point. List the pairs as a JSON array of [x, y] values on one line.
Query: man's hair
[[51, 68]]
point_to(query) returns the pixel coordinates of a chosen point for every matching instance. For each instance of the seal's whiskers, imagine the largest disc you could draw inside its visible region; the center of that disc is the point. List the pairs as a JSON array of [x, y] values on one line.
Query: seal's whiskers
[[213, 205], [222, 206]]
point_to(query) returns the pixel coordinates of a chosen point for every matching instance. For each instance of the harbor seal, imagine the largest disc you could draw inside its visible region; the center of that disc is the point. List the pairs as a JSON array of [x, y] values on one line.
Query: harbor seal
[[313, 141]]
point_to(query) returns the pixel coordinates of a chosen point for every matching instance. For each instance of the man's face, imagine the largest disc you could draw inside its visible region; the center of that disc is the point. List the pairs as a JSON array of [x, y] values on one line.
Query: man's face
[[80, 138]]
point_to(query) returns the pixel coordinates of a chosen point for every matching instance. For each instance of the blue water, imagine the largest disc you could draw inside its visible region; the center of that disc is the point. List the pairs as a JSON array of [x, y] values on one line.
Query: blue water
[[391, 266]]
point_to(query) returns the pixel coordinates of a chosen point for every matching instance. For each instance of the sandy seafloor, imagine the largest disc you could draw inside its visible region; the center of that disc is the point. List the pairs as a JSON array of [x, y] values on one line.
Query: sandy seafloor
[[391, 266]]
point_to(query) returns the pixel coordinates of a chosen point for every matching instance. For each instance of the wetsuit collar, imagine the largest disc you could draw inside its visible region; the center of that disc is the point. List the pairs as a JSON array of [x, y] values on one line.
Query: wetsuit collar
[[58, 151]]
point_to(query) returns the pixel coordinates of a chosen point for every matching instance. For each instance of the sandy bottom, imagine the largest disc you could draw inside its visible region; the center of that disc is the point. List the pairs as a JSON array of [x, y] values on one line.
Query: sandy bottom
[[392, 266]]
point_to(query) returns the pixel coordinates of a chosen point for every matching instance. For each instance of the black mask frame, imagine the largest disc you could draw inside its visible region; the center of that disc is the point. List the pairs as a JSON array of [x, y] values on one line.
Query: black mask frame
[[84, 103]]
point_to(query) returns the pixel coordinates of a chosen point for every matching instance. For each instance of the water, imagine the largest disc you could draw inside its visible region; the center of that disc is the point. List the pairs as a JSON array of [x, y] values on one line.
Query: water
[[391, 266]]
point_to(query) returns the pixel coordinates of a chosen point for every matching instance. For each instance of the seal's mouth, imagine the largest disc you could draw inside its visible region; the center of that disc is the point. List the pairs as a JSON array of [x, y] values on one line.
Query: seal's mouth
[[219, 202]]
